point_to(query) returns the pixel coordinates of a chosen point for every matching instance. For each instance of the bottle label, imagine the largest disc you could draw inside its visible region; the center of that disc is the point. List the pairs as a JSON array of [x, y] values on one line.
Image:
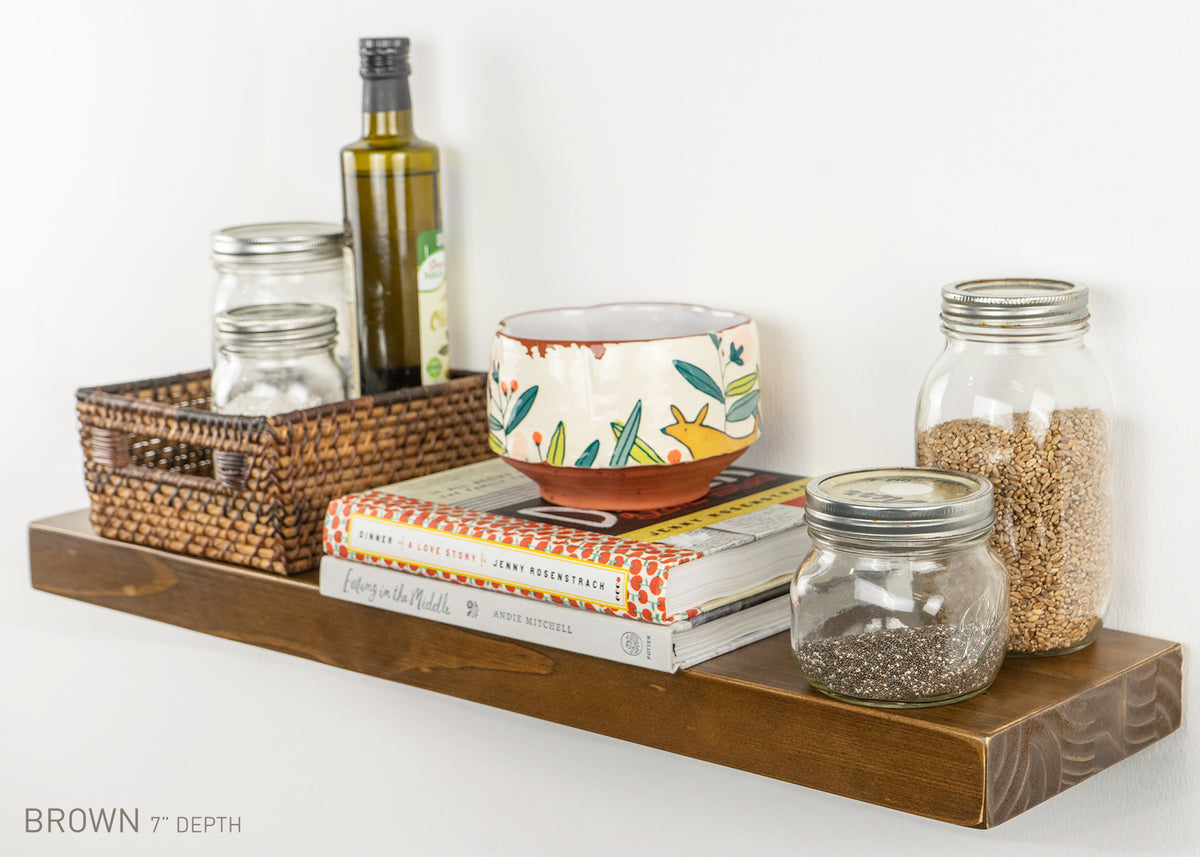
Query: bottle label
[[432, 306]]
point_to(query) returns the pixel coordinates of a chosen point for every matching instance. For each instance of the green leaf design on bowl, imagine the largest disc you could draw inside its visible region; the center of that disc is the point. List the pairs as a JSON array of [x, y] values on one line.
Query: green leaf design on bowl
[[642, 452], [743, 408], [624, 447], [699, 379], [558, 445], [521, 408], [588, 458], [741, 386]]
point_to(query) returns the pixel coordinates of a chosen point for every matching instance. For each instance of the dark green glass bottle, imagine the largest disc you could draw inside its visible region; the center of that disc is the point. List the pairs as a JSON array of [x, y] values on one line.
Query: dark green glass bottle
[[393, 214]]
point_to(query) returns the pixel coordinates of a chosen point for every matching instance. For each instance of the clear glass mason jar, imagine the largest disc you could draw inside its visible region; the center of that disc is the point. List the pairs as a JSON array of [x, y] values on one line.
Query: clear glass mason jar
[[1017, 397], [900, 603], [276, 358], [293, 262]]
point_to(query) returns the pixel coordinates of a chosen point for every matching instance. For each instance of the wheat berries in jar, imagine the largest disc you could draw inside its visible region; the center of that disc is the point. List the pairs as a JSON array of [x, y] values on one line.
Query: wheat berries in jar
[[1018, 398], [900, 602]]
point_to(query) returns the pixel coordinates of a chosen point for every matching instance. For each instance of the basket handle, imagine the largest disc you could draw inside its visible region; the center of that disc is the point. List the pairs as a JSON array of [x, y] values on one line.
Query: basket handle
[[112, 447]]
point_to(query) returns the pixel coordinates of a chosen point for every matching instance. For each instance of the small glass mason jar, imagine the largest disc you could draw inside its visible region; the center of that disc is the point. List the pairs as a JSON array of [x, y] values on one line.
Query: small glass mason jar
[[900, 603], [1017, 397], [276, 358], [292, 262]]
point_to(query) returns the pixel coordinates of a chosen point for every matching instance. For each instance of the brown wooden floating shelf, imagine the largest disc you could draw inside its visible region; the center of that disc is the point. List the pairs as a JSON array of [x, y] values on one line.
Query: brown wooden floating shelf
[[1045, 725]]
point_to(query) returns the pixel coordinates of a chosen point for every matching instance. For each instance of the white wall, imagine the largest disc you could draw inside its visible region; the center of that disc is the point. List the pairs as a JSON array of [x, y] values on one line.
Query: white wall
[[823, 166]]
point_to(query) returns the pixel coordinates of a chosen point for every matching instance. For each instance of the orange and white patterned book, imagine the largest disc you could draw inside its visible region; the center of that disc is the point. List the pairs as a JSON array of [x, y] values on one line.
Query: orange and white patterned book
[[485, 525]]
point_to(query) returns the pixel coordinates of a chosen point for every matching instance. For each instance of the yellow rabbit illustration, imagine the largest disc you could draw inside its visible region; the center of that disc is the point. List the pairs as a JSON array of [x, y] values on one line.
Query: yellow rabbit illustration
[[705, 441]]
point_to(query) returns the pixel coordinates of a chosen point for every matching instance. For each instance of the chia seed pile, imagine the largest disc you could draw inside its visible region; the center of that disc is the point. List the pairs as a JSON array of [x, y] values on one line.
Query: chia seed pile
[[905, 664]]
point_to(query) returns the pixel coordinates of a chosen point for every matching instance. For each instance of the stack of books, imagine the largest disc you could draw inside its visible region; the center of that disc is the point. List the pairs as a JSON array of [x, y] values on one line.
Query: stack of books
[[477, 547]]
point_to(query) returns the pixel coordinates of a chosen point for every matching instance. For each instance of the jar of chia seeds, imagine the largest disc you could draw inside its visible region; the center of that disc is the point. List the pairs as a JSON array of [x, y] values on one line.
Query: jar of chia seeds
[[1017, 397], [901, 602]]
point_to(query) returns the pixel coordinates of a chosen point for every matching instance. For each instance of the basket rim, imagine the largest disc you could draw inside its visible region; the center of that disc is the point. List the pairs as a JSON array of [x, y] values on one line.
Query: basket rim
[[123, 396]]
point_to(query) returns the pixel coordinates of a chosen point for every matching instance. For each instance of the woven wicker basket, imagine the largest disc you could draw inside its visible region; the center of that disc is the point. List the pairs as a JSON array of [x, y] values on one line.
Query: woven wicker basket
[[150, 448]]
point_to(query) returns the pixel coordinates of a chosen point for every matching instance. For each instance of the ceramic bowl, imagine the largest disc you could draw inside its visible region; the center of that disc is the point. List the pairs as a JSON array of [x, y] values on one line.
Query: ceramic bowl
[[624, 406]]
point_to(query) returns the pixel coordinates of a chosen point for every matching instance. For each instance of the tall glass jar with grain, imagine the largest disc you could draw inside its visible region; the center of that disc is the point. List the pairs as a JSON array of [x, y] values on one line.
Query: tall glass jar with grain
[[1018, 398]]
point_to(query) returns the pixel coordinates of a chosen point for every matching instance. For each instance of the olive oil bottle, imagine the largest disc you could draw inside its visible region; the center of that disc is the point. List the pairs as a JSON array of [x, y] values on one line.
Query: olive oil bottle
[[393, 210]]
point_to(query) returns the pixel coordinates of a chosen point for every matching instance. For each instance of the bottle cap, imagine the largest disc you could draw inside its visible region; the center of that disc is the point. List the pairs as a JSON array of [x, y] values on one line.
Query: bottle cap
[[383, 57]]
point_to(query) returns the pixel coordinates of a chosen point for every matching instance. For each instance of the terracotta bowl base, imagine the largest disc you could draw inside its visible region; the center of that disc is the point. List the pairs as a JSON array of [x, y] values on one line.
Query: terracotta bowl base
[[625, 489]]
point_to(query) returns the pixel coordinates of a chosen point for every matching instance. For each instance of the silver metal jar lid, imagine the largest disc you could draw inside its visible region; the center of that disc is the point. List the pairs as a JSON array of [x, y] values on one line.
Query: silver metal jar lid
[[900, 504], [1014, 307], [297, 240], [277, 328]]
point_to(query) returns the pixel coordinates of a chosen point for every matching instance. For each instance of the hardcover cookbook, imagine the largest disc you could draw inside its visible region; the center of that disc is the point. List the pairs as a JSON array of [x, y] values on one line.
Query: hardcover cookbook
[[486, 525]]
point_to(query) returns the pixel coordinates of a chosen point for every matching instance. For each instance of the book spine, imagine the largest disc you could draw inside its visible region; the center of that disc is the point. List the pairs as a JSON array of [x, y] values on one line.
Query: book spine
[[588, 633], [436, 544]]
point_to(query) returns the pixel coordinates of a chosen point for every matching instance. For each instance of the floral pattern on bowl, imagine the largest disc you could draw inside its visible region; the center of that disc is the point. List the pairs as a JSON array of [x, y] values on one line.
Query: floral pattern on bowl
[[624, 385]]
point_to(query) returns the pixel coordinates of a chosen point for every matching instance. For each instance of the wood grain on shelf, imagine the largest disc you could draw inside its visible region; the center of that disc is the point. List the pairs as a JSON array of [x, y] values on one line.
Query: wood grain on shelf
[[1045, 725]]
